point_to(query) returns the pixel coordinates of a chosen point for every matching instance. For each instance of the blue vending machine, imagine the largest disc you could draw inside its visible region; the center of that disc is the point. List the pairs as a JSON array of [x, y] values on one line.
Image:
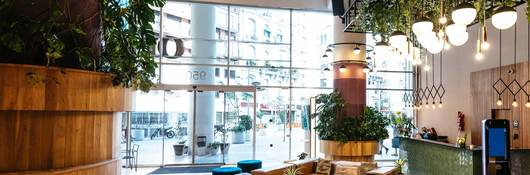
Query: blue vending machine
[[495, 147]]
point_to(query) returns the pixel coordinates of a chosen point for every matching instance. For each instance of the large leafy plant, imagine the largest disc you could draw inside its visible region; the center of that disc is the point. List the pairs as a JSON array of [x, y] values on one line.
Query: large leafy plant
[[113, 36], [333, 125]]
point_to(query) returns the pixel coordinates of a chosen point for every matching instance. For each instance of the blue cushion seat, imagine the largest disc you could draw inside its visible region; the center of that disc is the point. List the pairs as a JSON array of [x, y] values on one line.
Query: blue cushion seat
[[249, 165], [226, 171]]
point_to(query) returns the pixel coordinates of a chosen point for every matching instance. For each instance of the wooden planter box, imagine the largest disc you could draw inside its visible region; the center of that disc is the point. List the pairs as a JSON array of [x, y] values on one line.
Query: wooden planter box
[[358, 151], [59, 121]]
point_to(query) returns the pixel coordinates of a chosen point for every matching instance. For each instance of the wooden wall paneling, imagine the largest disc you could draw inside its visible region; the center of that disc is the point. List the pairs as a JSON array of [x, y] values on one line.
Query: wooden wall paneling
[[484, 99]]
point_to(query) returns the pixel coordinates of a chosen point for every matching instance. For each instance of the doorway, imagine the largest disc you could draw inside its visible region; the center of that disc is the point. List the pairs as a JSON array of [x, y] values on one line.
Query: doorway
[[192, 125]]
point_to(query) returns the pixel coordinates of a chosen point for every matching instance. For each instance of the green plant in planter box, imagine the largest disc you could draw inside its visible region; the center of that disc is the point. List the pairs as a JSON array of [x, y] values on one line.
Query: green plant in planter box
[[333, 125], [111, 36], [238, 128], [245, 121]]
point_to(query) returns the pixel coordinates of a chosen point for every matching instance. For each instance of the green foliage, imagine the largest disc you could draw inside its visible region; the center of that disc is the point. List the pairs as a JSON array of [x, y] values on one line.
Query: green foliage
[[128, 38], [246, 122], [333, 125], [402, 123], [238, 128], [56, 34]]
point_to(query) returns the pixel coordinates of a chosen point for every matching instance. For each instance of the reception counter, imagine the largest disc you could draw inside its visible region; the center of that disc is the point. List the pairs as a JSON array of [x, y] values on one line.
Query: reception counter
[[426, 157]]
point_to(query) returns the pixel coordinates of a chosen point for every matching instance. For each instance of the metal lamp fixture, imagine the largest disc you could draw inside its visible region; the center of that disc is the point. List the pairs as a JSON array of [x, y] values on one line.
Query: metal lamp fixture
[[422, 26], [398, 39], [357, 50], [500, 81], [504, 17], [464, 14], [342, 68]]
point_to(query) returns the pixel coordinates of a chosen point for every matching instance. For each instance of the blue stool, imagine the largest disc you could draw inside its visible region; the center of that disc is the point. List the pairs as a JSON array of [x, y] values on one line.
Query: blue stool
[[226, 171], [249, 165]]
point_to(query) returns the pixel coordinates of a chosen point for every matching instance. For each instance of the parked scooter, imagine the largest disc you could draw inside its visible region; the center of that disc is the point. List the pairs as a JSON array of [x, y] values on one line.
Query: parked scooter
[[168, 132]]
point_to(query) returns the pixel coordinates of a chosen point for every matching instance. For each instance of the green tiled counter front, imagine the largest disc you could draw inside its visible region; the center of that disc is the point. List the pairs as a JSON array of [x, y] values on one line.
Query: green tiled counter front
[[425, 157], [428, 158]]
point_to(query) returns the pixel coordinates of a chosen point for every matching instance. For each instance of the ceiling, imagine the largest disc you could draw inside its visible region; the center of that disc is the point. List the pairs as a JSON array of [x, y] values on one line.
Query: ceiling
[[317, 5]]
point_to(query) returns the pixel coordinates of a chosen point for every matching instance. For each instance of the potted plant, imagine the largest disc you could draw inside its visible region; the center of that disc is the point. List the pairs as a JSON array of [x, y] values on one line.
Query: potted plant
[[461, 141], [401, 124], [246, 122], [180, 148], [339, 132], [400, 163], [238, 134], [213, 148], [225, 147]]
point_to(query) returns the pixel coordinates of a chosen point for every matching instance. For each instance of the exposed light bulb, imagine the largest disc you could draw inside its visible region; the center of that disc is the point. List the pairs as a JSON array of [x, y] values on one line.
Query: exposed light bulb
[[499, 102], [441, 34], [440, 105], [433, 106], [447, 46], [427, 67], [485, 45], [527, 104], [514, 103], [479, 56], [442, 20]]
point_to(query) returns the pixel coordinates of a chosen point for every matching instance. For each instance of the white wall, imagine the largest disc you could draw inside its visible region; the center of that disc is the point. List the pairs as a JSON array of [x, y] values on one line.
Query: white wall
[[459, 62], [319, 5]]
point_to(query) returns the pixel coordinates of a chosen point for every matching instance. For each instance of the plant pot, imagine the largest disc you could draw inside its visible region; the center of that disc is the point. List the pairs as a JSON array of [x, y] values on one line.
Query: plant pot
[[179, 149], [357, 151], [225, 147], [238, 137], [213, 151], [248, 135]]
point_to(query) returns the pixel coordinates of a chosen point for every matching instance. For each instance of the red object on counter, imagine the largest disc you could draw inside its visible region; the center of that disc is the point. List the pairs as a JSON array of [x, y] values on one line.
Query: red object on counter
[[461, 122]]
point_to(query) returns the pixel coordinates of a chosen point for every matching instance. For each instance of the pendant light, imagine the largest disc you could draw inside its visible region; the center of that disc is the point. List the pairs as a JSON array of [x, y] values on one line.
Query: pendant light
[[460, 40], [366, 69], [398, 39], [422, 26], [455, 30], [382, 48], [485, 45], [478, 54], [504, 17], [434, 90], [514, 81], [464, 14], [442, 20], [499, 81], [441, 90]]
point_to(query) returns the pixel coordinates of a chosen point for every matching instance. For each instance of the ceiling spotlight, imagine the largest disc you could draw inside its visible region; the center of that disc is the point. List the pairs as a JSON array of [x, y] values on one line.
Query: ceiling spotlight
[[397, 39], [342, 68], [357, 50], [504, 17], [328, 50], [499, 102], [324, 56], [421, 26], [366, 69], [464, 14]]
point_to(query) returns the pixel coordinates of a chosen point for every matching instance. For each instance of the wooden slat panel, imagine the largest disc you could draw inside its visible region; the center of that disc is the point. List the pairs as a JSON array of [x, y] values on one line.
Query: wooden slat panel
[[40, 140], [26, 87], [484, 99]]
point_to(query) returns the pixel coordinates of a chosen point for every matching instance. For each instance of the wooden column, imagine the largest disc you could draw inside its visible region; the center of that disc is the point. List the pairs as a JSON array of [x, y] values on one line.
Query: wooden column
[[351, 83], [59, 121]]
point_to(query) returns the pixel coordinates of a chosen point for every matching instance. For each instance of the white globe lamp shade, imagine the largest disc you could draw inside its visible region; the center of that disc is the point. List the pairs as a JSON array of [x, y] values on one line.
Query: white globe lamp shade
[[454, 30], [382, 48], [464, 14], [504, 17], [459, 40], [427, 39], [398, 39], [436, 47], [422, 26]]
